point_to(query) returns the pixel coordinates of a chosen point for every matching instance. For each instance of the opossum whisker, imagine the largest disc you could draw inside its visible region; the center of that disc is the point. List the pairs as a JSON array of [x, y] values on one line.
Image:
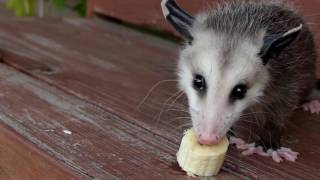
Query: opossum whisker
[[176, 110], [246, 114], [182, 106], [176, 94], [241, 127], [254, 114], [158, 106], [178, 118], [183, 125], [245, 129], [175, 129], [311, 15], [151, 90], [169, 108], [177, 97], [159, 115], [166, 104], [243, 120]]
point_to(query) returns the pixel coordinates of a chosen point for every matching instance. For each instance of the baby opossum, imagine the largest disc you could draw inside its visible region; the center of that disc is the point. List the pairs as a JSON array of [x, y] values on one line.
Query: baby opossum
[[244, 61]]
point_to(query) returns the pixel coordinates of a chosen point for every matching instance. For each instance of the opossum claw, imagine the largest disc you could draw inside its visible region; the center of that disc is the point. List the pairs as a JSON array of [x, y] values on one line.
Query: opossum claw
[[277, 155], [283, 153], [312, 106]]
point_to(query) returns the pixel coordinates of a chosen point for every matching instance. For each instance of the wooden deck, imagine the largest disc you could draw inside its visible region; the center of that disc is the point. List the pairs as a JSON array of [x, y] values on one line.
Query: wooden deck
[[71, 88]]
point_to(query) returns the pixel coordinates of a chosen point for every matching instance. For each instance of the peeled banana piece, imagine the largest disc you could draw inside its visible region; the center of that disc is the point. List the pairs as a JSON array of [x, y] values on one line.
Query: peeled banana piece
[[201, 160]]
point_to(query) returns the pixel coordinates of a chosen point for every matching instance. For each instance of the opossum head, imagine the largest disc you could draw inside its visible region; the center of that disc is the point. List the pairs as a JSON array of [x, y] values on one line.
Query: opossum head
[[222, 71]]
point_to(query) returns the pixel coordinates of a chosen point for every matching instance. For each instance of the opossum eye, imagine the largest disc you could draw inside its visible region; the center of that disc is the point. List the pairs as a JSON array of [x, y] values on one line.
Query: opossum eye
[[239, 92], [199, 83]]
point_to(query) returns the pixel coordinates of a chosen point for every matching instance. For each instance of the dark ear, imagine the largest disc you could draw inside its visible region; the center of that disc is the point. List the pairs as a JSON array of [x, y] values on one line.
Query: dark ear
[[273, 45], [178, 18]]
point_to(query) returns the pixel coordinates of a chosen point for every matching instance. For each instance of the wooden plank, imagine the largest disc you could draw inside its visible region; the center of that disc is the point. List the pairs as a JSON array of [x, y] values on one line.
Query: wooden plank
[[83, 137], [148, 12], [20, 159], [110, 75], [50, 59], [143, 12]]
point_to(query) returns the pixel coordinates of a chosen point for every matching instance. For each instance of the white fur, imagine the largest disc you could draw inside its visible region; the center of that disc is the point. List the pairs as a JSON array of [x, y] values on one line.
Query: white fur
[[298, 28], [213, 113], [165, 10]]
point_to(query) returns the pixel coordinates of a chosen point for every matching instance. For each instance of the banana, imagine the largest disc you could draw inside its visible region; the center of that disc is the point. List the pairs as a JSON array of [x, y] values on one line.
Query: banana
[[201, 160]]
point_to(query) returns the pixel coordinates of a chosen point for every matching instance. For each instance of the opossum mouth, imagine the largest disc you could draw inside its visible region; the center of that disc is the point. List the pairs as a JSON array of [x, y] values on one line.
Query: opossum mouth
[[230, 132]]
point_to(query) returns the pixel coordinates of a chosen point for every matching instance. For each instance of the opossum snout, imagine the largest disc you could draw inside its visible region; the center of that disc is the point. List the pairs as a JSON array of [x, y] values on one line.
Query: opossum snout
[[208, 135], [208, 138]]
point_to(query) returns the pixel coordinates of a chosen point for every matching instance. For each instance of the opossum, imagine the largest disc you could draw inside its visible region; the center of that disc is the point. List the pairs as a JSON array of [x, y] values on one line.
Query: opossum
[[249, 61]]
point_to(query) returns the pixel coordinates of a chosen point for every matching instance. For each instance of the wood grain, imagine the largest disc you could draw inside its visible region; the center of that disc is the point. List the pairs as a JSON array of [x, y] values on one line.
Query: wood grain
[[19, 159], [54, 77], [100, 144], [143, 12]]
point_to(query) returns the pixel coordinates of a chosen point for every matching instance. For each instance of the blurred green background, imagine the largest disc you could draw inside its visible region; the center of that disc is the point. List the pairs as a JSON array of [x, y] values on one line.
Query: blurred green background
[[44, 7]]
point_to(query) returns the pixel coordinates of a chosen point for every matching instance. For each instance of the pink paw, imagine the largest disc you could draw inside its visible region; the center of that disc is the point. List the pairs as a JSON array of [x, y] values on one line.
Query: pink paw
[[283, 153], [277, 155], [312, 106]]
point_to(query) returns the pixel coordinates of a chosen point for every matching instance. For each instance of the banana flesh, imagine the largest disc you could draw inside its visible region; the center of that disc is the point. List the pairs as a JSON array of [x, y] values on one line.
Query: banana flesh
[[201, 160]]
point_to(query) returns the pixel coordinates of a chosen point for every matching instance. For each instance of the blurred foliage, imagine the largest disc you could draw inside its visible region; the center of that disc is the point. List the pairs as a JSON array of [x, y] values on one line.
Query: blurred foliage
[[81, 8], [22, 7], [59, 4], [29, 7]]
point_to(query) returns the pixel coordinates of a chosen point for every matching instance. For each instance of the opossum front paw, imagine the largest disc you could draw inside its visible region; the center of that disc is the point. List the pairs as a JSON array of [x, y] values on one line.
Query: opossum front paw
[[277, 155], [242, 145], [248, 149], [283, 153], [312, 106]]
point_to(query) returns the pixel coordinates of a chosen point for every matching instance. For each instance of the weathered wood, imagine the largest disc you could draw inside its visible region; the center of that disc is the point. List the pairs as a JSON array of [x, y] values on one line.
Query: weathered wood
[[89, 140], [92, 86], [19, 159], [143, 12]]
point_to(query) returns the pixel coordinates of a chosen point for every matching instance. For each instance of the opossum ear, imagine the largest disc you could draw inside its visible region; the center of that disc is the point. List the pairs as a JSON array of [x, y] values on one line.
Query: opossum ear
[[178, 18], [273, 45]]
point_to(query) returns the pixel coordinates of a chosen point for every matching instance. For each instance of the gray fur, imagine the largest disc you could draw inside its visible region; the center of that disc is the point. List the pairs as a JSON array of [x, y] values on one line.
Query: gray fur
[[292, 73]]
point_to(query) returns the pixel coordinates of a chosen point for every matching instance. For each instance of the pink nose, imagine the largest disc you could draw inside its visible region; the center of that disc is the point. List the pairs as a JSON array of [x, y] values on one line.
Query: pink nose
[[208, 139]]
